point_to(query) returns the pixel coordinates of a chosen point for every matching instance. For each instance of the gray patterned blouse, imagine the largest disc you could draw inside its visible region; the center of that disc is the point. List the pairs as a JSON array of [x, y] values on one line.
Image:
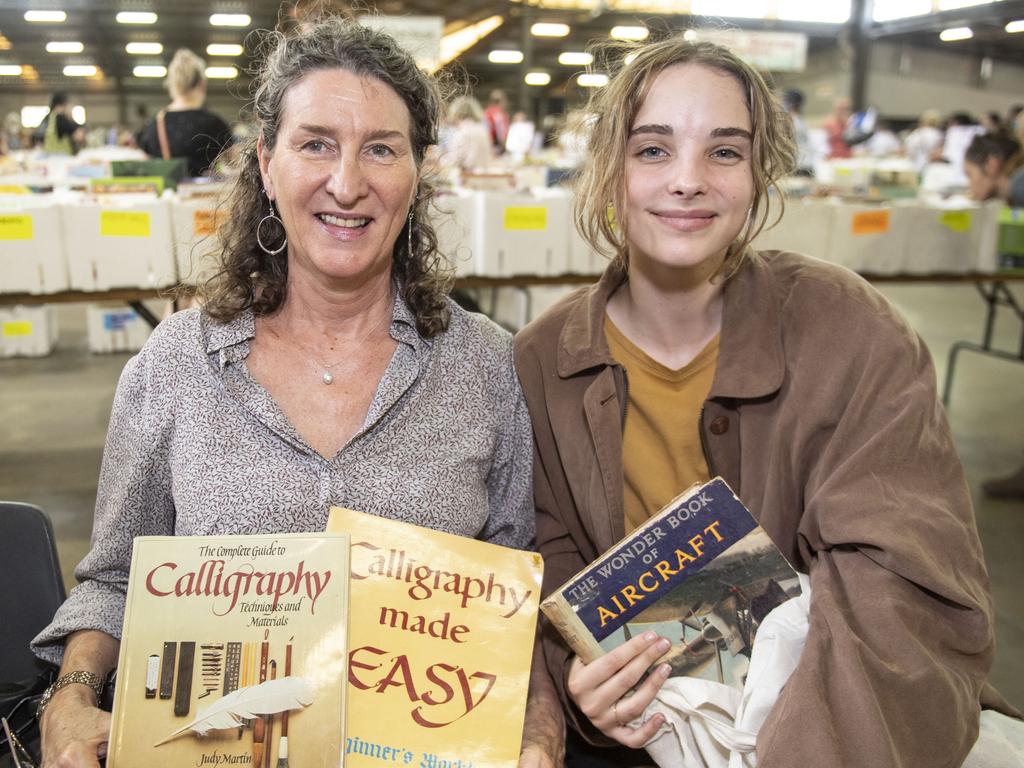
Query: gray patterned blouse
[[197, 447]]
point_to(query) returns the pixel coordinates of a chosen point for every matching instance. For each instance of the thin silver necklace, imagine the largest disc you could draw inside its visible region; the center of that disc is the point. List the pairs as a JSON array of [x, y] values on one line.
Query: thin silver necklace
[[325, 370]]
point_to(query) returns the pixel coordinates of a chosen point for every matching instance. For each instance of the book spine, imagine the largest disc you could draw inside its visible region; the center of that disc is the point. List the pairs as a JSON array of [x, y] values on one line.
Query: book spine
[[561, 614]]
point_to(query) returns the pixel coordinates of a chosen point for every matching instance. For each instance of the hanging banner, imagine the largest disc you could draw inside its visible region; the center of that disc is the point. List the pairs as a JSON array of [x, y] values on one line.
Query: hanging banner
[[419, 35], [771, 51]]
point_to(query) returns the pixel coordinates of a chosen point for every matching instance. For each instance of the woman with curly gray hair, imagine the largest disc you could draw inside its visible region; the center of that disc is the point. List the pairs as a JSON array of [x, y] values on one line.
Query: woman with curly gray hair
[[326, 367]]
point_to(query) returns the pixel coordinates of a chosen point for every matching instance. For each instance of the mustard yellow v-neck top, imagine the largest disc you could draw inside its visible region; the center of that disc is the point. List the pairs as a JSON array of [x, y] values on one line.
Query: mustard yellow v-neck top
[[661, 451]]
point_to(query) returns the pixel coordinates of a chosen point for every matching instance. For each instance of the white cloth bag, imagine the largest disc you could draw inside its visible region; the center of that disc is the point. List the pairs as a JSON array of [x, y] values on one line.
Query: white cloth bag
[[711, 725]]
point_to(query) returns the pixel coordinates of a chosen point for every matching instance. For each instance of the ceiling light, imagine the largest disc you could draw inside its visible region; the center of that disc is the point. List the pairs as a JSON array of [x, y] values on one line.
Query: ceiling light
[[453, 44], [230, 20], [575, 59], [541, 29], [144, 48], [1015, 26], [79, 70], [630, 33], [46, 16], [505, 57], [135, 17], [150, 71], [10, 70], [592, 80], [221, 73], [64, 47], [224, 50], [956, 33], [537, 78], [900, 9]]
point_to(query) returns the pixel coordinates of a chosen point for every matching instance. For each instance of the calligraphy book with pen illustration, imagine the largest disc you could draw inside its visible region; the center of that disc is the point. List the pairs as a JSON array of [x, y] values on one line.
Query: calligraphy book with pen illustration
[[233, 652], [701, 573], [441, 643]]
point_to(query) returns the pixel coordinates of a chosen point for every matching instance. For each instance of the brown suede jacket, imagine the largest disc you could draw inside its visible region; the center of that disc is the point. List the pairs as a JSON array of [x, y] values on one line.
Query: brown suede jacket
[[823, 417]]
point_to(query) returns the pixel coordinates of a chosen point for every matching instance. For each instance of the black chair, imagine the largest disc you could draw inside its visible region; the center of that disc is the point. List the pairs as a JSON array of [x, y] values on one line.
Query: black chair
[[31, 590]]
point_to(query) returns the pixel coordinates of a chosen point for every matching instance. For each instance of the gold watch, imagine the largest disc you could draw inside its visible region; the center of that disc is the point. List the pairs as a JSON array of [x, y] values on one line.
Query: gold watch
[[94, 681]]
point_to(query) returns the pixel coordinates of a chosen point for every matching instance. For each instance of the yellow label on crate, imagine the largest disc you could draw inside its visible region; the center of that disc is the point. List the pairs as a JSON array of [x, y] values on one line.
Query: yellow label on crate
[[17, 328], [958, 221], [871, 223], [17, 227], [526, 218], [124, 224], [14, 189], [205, 223]]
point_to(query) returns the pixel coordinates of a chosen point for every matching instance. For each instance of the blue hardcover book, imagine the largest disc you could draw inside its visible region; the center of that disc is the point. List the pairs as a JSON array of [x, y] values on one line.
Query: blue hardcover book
[[701, 572]]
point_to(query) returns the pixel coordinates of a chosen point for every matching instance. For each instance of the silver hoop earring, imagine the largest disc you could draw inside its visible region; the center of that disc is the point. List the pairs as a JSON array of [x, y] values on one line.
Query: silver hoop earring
[[409, 233], [272, 217]]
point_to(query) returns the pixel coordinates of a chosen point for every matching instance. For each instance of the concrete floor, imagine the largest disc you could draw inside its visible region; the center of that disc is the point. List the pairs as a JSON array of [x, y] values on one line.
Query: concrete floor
[[54, 412]]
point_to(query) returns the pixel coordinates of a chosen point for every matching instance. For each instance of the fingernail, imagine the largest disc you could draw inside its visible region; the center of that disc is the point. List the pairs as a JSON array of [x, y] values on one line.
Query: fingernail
[[664, 670], [664, 645], [649, 637]]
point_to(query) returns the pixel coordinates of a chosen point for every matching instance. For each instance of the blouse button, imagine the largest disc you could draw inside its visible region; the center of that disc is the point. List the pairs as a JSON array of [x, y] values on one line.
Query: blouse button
[[719, 425]]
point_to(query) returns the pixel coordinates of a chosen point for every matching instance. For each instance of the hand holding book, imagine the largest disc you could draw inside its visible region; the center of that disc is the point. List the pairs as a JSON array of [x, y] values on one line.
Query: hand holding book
[[604, 689]]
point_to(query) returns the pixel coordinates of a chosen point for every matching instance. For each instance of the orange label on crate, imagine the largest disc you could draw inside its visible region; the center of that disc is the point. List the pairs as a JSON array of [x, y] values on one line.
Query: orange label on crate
[[205, 223], [958, 221], [532, 217], [871, 223], [16, 227], [124, 224], [17, 328]]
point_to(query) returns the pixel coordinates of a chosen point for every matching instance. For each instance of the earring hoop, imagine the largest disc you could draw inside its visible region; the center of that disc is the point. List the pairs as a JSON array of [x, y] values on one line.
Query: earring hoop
[[409, 236], [272, 217]]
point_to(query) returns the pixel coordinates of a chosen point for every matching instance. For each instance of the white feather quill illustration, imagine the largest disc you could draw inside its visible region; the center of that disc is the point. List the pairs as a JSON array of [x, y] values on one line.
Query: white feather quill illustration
[[267, 698]]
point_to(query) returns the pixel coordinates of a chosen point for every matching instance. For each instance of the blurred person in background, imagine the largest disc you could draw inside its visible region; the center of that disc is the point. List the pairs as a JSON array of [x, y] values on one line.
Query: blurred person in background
[[793, 101], [184, 128], [496, 117], [924, 143], [992, 122], [468, 144], [835, 127], [520, 140], [994, 165], [882, 142], [59, 134]]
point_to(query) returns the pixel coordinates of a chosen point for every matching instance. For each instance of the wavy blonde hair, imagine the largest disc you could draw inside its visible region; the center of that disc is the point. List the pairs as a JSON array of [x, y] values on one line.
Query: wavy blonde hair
[[600, 188]]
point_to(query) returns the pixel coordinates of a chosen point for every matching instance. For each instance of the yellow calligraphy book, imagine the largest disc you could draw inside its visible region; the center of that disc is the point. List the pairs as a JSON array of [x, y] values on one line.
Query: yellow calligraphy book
[[441, 641], [233, 652]]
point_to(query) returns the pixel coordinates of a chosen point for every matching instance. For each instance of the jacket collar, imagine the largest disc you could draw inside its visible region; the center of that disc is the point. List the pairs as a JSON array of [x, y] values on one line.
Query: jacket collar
[[750, 359]]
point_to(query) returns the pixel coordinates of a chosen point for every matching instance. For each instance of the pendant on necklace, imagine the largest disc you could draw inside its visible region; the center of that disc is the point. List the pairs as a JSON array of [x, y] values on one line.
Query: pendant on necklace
[[327, 378]]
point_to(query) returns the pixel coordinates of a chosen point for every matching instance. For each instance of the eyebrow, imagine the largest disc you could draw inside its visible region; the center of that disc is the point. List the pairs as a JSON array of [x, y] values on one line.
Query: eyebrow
[[380, 133], [666, 130]]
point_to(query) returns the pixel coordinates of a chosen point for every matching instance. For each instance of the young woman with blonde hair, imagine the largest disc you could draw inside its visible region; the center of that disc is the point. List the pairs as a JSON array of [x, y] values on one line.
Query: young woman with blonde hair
[[696, 355]]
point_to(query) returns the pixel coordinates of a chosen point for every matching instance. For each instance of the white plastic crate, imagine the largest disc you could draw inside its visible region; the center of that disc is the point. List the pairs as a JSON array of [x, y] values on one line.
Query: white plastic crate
[[195, 223], [32, 255], [119, 243], [455, 218], [115, 327], [27, 331], [805, 227], [524, 234], [952, 238], [870, 238]]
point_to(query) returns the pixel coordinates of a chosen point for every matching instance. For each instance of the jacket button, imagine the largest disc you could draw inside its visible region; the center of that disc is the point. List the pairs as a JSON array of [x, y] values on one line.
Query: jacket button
[[719, 425]]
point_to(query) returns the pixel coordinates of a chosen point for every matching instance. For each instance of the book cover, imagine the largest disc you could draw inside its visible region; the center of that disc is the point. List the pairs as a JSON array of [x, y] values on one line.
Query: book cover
[[233, 652], [441, 642], [701, 573]]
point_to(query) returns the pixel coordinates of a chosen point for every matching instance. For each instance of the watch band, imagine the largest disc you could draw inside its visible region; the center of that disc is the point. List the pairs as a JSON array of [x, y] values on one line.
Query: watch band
[[93, 681]]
